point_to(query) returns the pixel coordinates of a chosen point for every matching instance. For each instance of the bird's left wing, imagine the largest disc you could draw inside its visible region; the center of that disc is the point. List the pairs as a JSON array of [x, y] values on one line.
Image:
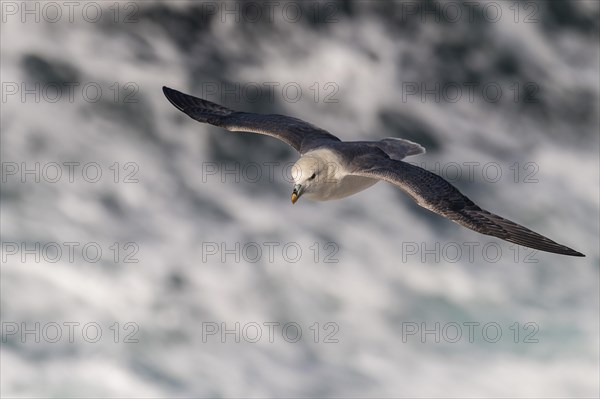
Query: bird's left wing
[[299, 134], [434, 193]]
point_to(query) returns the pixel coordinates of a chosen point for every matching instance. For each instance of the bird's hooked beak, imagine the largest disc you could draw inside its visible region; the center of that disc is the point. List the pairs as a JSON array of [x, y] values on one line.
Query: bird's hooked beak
[[296, 193]]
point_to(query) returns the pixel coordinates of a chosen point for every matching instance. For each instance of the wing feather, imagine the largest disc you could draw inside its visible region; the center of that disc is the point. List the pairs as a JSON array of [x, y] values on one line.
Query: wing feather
[[436, 194], [299, 134]]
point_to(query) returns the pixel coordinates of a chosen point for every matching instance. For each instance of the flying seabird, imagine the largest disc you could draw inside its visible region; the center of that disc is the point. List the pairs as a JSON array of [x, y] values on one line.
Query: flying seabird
[[329, 168]]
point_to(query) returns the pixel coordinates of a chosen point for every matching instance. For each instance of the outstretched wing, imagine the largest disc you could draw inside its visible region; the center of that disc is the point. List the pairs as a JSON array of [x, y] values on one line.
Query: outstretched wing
[[434, 193], [299, 134]]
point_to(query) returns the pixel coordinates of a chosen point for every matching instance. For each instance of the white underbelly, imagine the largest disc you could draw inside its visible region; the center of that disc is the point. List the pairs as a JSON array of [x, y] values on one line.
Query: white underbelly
[[348, 185]]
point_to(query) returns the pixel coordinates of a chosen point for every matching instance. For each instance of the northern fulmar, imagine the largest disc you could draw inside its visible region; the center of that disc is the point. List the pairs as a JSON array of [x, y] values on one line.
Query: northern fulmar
[[329, 169]]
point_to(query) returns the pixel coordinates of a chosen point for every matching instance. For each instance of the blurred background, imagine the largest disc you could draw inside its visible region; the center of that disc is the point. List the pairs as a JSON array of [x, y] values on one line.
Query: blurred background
[[147, 255]]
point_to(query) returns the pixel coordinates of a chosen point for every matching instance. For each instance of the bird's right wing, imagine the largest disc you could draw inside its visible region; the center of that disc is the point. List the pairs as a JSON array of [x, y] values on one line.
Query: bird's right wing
[[436, 194], [295, 132]]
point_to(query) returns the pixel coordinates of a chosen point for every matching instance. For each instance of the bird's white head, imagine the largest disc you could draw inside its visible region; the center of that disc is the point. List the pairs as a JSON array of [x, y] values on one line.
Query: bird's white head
[[309, 173]]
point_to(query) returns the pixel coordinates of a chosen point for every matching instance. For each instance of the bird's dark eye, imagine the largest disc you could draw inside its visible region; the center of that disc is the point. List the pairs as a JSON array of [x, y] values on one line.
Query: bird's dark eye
[[313, 176]]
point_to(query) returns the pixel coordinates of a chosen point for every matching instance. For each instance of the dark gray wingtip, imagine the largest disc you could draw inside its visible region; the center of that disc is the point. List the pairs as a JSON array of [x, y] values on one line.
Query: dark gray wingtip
[[572, 252], [175, 97], [559, 249], [195, 107], [170, 94]]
